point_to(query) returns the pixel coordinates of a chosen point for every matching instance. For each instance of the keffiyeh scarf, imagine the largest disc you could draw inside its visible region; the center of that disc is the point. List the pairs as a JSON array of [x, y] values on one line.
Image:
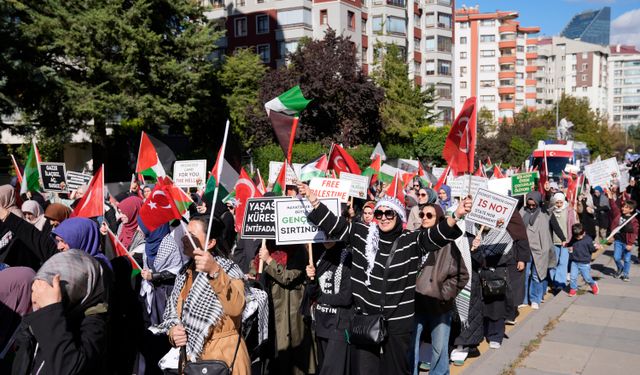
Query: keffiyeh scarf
[[371, 249], [463, 299]]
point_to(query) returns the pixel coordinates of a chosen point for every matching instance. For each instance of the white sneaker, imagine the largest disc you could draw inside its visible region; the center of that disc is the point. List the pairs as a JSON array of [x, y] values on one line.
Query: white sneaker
[[494, 345], [535, 306], [523, 306]]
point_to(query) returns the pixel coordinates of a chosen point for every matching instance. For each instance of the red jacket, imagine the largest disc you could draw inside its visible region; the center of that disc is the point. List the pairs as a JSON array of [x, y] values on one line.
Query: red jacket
[[616, 214]]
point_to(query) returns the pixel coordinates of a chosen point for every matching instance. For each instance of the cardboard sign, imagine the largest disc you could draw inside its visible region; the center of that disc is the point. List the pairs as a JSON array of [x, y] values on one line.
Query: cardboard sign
[[331, 188], [460, 185], [260, 218], [500, 186], [292, 173], [77, 179], [603, 172], [292, 226], [54, 177], [437, 171], [359, 184], [190, 173], [523, 183], [491, 209]]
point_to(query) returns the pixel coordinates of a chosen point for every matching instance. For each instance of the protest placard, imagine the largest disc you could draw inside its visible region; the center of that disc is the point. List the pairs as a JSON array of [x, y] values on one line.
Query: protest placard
[[460, 185], [260, 218], [359, 184], [190, 173], [292, 172], [437, 171], [77, 179], [500, 186], [331, 188], [54, 177], [292, 226], [523, 183], [491, 209], [603, 172]]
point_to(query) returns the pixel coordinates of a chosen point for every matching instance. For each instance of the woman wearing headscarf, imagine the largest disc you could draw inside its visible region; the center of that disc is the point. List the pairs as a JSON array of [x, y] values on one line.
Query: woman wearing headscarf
[[371, 246], [562, 219], [56, 213], [540, 242], [444, 198], [33, 213], [67, 331], [367, 212], [15, 302], [205, 309], [128, 233], [425, 196], [601, 204], [10, 245]]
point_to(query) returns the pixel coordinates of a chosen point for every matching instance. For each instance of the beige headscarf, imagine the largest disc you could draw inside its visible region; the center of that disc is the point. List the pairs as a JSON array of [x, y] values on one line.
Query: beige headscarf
[[8, 199], [35, 209]]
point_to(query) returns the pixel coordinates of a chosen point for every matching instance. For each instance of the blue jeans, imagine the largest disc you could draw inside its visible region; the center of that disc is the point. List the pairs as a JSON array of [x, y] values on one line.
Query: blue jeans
[[440, 326], [558, 275], [620, 254], [585, 270], [536, 286]]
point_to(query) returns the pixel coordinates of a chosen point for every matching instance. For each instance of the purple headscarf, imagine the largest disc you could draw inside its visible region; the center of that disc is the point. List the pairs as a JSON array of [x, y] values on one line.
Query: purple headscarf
[[15, 299], [82, 234]]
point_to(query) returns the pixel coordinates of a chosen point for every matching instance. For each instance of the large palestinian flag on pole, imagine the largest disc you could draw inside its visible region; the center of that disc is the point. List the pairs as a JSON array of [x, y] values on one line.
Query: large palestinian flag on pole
[[283, 112]]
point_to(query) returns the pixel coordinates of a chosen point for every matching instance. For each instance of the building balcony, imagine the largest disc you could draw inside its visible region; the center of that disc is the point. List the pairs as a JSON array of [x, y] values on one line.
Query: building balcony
[[531, 69], [503, 90], [508, 29], [511, 74], [507, 59], [530, 82], [417, 56], [532, 55], [507, 44], [530, 95], [507, 105]]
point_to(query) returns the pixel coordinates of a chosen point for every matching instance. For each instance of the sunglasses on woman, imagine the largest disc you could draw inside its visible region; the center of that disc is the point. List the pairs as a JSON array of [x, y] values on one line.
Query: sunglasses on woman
[[423, 194], [389, 214], [429, 215]]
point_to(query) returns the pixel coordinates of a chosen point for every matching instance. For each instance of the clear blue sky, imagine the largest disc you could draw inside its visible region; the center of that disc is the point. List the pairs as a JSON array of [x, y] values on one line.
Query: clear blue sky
[[553, 15]]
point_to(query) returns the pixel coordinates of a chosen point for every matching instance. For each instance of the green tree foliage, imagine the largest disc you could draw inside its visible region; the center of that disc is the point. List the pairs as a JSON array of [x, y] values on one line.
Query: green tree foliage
[[240, 76], [428, 143], [345, 101], [406, 107]]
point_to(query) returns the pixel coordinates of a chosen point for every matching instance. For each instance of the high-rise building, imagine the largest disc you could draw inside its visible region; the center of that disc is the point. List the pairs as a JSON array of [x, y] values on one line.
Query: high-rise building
[[592, 26], [495, 62], [624, 83], [421, 28], [573, 68]]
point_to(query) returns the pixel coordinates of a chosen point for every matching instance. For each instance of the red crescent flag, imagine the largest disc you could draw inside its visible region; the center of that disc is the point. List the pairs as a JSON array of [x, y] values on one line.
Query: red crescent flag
[[460, 146], [340, 161], [92, 202], [159, 208], [245, 189]]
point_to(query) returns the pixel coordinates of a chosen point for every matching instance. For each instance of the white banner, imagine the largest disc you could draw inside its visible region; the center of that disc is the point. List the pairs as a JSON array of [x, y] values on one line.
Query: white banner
[[190, 173], [491, 209], [500, 186], [601, 173], [292, 173], [359, 184], [460, 185], [331, 188], [292, 226]]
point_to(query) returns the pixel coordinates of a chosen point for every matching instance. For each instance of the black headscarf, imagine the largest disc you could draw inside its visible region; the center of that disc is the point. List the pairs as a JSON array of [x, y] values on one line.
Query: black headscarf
[[530, 215]]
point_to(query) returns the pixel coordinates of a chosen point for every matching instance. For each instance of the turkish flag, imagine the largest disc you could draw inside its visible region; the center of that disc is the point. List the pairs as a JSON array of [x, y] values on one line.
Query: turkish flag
[[460, 146], [245, 189], [340, 161], [92, 202], [158, 209], [497, 173]]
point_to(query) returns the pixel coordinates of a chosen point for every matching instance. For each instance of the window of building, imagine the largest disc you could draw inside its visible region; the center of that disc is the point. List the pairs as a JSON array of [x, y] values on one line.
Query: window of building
[[240, 3], [377, 24], [396, 25], [416, 44], [444, 67], [416, 20], [260, 1], [430, 19], [487, 68], [444, 20], [520, 62], [487, 83], [240, 27], [487, 53], [583, 77], [519, 75], [262, 24], [463, 55], [463, 84], [519, 89], [416, 68], [363, 23], [430, 43], [487, 22], [324, 17], [520, 48], [430, 67], [584, 89], [444, 43], [507, 82], [287, 47], [463, 70], [264, 51], [463, 40], [443, 91], [295, 17], [584, 67], [464, 25], [487, 38], [463, 99], [507, 36], [351, 20], [487, 98]]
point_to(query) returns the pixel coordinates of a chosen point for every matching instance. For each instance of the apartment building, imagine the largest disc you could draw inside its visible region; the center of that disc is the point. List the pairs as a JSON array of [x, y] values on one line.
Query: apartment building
[[624, 84], [495, 61], [421, 28], [574, 68]]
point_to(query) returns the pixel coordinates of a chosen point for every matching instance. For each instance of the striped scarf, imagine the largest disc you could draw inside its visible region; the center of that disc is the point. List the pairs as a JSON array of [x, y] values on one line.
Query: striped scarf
[[463, 299]]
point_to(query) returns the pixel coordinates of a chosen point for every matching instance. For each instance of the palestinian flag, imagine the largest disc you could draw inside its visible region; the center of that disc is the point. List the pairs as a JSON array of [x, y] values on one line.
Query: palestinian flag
[[31, 175], [120, 251], [424, 178], [180, 198], [497, 173], [315, 168], [283, 112], [373, 170], [153, 157], [280, 186], [228, 178]]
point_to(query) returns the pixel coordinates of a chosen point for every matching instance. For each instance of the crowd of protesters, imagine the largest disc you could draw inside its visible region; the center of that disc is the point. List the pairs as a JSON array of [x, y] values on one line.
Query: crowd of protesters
[[70, 305]]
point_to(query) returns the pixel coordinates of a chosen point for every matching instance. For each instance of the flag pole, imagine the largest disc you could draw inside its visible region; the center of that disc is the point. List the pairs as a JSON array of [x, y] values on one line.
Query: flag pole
[[215, 192], [294, 127], [15, 166]]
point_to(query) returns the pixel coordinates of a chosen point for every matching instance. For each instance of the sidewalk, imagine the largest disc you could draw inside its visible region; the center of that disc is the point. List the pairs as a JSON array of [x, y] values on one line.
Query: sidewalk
[[589, 335]]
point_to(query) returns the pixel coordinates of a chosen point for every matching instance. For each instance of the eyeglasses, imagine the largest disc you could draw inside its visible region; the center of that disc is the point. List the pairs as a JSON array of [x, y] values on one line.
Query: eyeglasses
[[423, 194], [429, 215], [532, 205], [389, 214], [416, 186]]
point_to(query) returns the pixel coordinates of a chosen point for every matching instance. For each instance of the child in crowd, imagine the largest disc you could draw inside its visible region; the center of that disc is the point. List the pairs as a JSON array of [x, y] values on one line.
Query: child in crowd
[[580, 250]]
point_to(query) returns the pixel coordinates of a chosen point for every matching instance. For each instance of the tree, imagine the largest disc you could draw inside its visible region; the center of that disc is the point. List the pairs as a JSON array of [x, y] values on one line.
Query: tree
[[140, 63], [406, 107], [345, 101], [428, 143], [240, 76]]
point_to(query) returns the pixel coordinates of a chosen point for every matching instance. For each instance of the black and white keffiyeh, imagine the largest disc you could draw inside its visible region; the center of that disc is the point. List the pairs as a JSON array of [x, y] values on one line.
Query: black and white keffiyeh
[[256, 299], [371, 249], [201, 309], [338, 273]]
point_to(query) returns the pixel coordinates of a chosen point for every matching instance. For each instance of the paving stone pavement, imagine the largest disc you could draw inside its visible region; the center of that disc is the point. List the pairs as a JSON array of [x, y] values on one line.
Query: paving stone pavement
[[593, 334]]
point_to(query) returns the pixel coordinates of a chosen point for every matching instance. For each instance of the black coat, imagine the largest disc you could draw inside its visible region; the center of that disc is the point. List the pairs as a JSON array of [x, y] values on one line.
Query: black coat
[[473, 335], [29, 246]]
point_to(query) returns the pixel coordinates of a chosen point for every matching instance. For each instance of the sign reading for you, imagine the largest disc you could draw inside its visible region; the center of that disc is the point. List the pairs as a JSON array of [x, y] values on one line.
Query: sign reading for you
[[292, 226], [491, 209]]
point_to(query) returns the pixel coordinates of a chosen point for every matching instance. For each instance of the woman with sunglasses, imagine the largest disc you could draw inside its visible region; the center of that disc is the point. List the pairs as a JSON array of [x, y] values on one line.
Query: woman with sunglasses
[[425, 196], [371, 246]]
